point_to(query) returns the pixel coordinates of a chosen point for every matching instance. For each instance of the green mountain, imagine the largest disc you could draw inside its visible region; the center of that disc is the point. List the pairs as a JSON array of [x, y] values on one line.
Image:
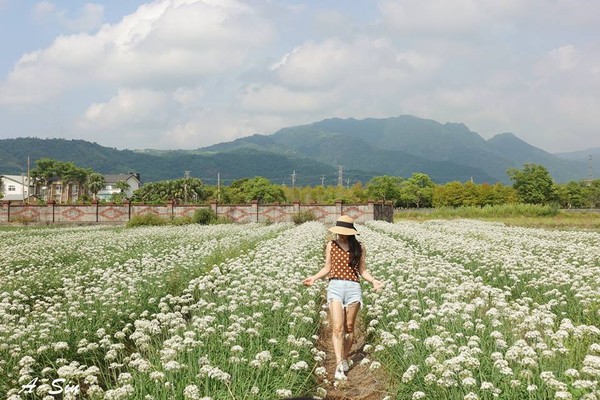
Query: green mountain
[[160, 165], [364, 148], [406, 144], [584, 156]]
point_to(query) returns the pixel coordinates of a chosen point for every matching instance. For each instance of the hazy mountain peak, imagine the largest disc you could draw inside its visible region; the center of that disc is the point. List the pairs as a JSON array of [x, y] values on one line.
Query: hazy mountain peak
[[369, 147]]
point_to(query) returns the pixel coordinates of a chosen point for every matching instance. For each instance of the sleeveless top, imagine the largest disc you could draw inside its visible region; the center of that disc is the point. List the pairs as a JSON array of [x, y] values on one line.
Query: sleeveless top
[[340, 264]]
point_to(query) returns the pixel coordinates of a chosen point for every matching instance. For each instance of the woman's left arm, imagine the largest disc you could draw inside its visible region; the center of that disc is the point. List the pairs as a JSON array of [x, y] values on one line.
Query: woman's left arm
[[362, 269]]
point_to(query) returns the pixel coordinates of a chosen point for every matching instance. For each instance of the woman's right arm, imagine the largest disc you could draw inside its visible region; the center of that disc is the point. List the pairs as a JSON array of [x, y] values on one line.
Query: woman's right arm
[[324, 271]]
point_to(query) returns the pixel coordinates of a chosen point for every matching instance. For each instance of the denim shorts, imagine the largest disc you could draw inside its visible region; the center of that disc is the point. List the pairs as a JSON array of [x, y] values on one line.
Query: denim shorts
[[347, 292]]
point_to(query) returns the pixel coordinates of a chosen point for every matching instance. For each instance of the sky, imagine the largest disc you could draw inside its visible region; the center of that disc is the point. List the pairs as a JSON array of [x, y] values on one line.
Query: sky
[[184, 74]]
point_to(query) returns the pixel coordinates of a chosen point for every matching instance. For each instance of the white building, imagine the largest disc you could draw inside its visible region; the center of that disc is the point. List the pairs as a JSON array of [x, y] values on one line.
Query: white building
[[110, 182], [15, 187]]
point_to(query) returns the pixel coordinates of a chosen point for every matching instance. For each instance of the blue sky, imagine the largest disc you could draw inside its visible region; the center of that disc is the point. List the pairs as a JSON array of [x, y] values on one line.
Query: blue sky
[[190, 73]]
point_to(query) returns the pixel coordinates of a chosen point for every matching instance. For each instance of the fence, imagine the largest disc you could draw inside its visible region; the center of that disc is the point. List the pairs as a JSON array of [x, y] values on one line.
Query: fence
[[55, 213]]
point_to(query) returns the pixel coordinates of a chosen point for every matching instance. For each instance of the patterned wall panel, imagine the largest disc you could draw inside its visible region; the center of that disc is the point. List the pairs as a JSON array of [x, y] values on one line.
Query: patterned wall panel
[[106, 213]]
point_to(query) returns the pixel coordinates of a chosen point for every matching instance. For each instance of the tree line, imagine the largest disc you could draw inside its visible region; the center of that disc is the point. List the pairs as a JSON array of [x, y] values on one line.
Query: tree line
[[531, 184]]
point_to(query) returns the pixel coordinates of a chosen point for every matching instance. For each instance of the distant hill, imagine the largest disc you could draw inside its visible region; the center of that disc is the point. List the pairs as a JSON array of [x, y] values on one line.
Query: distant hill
[[154, 166], [582, 155], [365, 148], [405, 144]]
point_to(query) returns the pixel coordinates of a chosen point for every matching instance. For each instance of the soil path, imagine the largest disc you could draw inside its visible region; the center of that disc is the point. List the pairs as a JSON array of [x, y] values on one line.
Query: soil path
[[362, 383]]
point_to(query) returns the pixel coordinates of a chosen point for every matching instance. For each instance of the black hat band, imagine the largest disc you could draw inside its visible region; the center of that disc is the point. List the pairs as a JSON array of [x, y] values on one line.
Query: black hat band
[[345, 224]]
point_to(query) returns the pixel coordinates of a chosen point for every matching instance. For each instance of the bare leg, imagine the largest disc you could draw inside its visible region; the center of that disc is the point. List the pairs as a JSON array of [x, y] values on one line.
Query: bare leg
[[351, 313], [336, 312]]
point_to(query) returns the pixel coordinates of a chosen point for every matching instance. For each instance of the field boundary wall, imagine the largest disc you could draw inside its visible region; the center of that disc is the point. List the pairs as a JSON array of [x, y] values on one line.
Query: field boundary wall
[[55, 213]]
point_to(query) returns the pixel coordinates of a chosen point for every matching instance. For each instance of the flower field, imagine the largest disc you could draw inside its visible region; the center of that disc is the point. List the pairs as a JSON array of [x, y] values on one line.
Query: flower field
[[470, 310]]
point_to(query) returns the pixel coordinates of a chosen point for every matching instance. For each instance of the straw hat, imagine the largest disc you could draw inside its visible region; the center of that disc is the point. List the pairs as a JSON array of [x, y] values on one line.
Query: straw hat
[[344, 226]]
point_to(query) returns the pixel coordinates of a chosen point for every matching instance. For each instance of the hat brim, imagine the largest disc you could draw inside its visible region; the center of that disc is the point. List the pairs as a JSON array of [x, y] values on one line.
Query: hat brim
[[340, 230]]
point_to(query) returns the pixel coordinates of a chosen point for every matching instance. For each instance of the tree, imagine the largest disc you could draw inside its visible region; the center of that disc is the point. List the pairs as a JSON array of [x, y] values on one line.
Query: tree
[[68, 173], [95, 183], [417, 191], [572, 195], [471, 194], [179, 190], [592, 194], [258, 188], [533, 184], [385, 188], [449, 195], [45, 169], [123, 187]]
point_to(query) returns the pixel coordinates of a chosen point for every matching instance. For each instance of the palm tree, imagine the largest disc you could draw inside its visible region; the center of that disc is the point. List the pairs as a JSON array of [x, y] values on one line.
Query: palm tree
[[43, 173], [95, 183]]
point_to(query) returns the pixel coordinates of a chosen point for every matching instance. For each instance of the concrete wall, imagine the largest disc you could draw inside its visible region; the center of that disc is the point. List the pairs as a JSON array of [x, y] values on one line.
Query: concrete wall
[[242, 213]]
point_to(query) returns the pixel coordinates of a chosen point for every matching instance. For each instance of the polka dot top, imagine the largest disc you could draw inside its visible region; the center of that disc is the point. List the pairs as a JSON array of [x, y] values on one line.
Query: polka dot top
[[340, 264]]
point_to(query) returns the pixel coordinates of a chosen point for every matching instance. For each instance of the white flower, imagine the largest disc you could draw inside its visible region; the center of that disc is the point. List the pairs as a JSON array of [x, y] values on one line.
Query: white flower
[[282, 393], [172, 366], [469, 381], [572, 373], [563, 396], [300, 365], [374, 365], [191, 392], [410, 373], [59, 346], [237, 349]]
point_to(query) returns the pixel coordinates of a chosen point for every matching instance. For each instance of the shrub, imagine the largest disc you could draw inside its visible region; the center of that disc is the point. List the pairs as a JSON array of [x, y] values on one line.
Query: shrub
[[146, 220], [178, 221], [304, 216], [205, 216], [22, 220]]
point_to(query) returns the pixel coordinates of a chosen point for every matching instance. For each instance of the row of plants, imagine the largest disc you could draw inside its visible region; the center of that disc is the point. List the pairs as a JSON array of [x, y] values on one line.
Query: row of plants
[[476, 310], [71, 297]]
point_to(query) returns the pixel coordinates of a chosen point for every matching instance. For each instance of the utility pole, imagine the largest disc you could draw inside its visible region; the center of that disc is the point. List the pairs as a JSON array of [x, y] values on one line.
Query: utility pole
[[591, 176], [340, 176], [28, 180], [294, 179], [322, 180], [218, 187], [186, 175]]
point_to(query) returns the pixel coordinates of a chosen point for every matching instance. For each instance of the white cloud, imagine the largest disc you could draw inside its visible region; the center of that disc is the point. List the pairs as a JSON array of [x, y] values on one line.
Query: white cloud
[[129, 106], [164, 44], [187, 73]]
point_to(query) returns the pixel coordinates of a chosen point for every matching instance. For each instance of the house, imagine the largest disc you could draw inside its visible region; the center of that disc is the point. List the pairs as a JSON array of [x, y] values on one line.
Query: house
[[55, 189], [16, 188], [110, 185]]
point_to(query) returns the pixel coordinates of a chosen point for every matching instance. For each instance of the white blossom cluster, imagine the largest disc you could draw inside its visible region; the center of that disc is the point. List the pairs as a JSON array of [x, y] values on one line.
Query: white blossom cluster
[[480, 310], [74, 298], [469, 310]]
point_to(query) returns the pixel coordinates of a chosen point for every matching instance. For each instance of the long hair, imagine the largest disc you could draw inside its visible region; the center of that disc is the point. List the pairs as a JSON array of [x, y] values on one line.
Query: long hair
[[355, 251]]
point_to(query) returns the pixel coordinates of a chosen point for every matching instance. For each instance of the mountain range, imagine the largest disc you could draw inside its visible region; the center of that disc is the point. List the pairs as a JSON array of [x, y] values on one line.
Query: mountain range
[[318, 153]]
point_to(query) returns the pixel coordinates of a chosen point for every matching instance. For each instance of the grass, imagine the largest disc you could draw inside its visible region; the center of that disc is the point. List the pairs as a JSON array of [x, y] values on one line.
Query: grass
[[524, 215]]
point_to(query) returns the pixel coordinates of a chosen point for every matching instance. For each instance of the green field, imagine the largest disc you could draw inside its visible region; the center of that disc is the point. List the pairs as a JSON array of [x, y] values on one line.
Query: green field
[[470, 310]]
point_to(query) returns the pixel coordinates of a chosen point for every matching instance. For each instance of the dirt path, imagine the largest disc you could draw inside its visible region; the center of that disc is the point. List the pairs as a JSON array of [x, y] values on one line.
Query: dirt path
[[362, 383]]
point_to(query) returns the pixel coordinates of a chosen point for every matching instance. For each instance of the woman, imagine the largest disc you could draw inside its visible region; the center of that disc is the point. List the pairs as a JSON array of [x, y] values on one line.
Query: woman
[[344, 265]]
